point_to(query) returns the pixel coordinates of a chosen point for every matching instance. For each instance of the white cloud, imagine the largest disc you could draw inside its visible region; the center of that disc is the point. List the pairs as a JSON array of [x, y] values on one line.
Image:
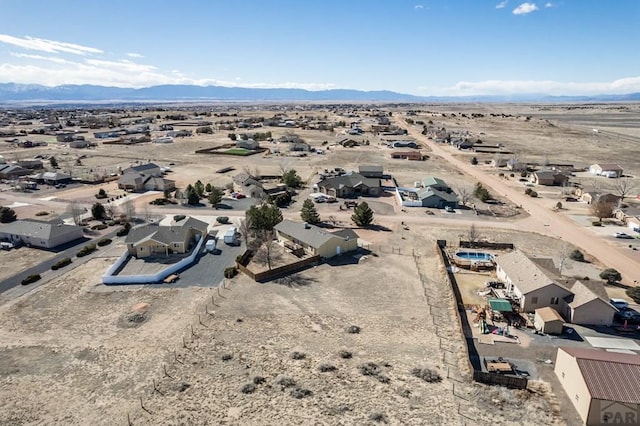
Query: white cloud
[[547, 87], [548, 5], [502, 4], [49, 46], [525, 8], [418, 6], [135, 55], [123, 65], [53, 59]]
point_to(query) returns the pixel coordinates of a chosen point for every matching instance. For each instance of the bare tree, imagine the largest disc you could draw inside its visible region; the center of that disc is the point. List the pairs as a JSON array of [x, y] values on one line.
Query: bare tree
[[268, 251], [245, 232], [465, 193], [111, 209], [76, 212], [601, 209], [129, 210], [473, 234], [624, 187]]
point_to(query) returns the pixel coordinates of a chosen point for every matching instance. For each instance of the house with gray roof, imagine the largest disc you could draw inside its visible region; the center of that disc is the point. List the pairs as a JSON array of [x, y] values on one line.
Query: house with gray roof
[[350, 185], [156, 239], [607, 170], [434, 198], [12, 171], [303, 238], [37, 233], [149, 169]]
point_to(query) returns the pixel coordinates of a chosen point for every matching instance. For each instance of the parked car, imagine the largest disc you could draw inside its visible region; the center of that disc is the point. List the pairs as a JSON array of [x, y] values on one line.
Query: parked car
[[623, 236], [620, 304], [449, 209], [628, 315]]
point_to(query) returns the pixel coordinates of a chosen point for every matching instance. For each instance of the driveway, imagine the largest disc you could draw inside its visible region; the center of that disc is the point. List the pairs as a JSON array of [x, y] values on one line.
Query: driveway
[[208, 271]]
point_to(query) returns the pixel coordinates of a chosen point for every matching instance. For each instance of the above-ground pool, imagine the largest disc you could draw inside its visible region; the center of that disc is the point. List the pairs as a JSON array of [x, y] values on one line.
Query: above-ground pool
[[474, 255]]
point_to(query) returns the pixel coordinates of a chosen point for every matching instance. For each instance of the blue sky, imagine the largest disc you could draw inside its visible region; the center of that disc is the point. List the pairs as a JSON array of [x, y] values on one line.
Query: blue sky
[[436, 47]]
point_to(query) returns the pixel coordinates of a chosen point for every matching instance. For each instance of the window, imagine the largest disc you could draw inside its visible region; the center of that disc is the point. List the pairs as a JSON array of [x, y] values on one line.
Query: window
[[554, 300], [534, 300], [176, 245]]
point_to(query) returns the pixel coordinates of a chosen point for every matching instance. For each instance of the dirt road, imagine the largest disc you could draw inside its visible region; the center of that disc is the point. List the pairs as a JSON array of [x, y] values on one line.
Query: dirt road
[[541, 219]]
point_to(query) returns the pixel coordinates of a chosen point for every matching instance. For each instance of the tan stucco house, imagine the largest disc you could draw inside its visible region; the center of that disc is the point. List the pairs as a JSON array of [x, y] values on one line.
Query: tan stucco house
[[604, 387], [588, 305], [315, 241], [155, 239], [530, 284]]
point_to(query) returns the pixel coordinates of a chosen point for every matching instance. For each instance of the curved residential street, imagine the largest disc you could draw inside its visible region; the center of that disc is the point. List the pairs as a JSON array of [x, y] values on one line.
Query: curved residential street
[[541, 219]]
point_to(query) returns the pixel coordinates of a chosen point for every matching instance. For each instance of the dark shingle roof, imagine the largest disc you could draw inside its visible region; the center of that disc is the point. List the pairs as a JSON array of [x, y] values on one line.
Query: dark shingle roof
[[37, 229]]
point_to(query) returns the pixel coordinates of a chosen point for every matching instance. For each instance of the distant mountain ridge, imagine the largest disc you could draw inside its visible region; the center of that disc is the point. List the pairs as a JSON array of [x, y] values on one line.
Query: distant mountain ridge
[[85, 93]]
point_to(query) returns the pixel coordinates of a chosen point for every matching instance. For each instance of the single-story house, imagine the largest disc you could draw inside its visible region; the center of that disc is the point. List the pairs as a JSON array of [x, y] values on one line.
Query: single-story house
[[531, 285], [350, 185], [299, 147], [33, 164], [315, 241], [608, 198], [140, 182], [549, 178], [607, 170], [12, 171], [516, 166], [547, 320], [53, 178], [156, 239], [371, 171], [408, 155], [498, 162], [247, 144], [36, 233], [603, 386], [588, 304], [435, 198], [630, 216], [149, 169]]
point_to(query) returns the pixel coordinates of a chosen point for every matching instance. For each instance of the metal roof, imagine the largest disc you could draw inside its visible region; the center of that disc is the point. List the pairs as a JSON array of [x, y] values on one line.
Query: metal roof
[[610, 376]]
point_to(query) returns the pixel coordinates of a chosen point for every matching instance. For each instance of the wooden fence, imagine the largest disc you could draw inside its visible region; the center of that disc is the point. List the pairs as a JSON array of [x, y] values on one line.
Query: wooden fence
[[487, 245], [511, 382], [243, 260]]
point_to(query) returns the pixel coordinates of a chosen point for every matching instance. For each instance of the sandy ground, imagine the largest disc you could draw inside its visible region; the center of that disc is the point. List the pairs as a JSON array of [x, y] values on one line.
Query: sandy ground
[[79, 360]]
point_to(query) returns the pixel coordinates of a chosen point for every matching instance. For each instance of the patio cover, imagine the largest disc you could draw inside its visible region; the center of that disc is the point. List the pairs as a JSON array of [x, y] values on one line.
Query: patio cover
[[500, 305]]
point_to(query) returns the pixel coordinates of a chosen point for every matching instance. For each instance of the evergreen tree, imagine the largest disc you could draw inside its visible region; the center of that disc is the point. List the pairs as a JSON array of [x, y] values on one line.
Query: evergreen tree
[[215, 196], [208, 187], [263, 218], [7, 215], [199, 187], [191, 195], [362, 215], [291, 179], [309, 213], [98, 211]]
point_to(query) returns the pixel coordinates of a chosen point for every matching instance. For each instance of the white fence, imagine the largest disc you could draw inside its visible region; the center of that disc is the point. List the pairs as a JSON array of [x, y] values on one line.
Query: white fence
[[407, 203], [109, 277]]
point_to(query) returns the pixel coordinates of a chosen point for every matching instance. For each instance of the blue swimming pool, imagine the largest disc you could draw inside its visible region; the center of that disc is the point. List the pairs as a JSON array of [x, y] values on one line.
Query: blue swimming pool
[[474, 255]]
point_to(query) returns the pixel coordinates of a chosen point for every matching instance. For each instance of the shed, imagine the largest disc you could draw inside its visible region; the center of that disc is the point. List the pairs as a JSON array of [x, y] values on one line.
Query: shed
[[548, 320]]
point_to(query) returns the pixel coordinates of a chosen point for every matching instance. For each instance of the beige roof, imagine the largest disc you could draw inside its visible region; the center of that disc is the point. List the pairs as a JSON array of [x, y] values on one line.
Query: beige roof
[[548, 314], [609, 376], [523, 272], [583, 293]]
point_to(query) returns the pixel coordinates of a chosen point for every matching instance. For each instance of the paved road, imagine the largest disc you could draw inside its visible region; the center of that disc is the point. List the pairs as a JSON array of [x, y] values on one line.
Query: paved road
[[541, 219]]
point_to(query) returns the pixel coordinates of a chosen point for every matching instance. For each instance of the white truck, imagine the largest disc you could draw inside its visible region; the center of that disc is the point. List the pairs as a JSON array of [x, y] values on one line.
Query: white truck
[[210, 245], [231, 236]]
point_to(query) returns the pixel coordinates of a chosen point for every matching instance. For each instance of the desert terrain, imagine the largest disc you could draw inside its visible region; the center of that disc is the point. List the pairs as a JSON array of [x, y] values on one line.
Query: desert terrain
[[74, 351]]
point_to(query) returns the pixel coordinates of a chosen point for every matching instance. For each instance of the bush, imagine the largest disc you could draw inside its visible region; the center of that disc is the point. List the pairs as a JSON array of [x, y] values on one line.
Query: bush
[[596, 223], [248, 388], [326, 368], [528, 191], [474, 161], [611, 275], [354, 329], [99, 227], [345, 354], [178, 217], [61, 263], [227, 357], [104, 242], [370, 369], [222, 219], [258, 380], [86, 250], [230, 272], [577, 256], [634, 294], [285, 381], [31, 279], [427, 375], [300, 393], [298, 355], [42, 213], [378, 417], [533, 194], [124, 230]]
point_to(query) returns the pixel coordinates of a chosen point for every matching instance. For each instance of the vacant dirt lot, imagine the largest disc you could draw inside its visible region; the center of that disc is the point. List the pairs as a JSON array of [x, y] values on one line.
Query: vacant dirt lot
[[77, 353]]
